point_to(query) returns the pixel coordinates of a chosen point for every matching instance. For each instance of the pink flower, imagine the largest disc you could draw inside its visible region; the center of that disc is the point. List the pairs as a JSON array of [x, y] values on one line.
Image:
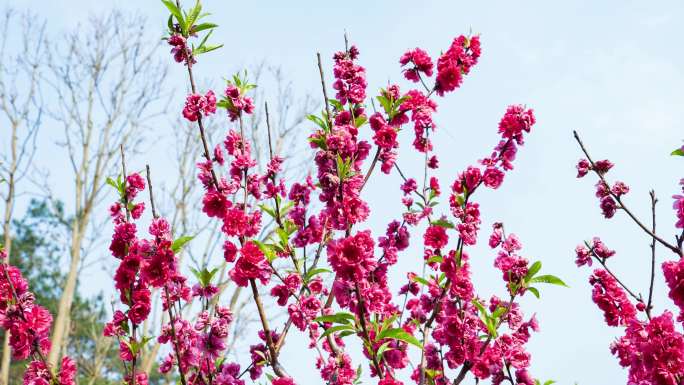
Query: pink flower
[[283, 381], [435, 237], [421, 63], [352, 257], [583, 167], [608, 206], [602, 166], [251, 265], [456, 62], [583, 256], [619, 189], [409, 186], [180, 50], [611, 298], [350, 78], [674, 277], [237, 103], [493, 177], [37, 374], [678, 206], [652, 350], [197, 105], [516, 121], [229, 251]]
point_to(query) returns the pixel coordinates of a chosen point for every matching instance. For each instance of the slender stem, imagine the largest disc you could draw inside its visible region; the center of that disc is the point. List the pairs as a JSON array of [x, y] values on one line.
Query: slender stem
[[267, 331], [203, 136], [172, 322], [605, 266], [125, 194], [636, 220], [370, 170], [149, 186], [325, 92], [128, 218], [276, 201], [649, 304], [364, 327], [268, 128]]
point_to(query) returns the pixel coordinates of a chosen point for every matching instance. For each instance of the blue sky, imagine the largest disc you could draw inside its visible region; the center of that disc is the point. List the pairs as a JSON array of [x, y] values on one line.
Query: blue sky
[[612, 70]]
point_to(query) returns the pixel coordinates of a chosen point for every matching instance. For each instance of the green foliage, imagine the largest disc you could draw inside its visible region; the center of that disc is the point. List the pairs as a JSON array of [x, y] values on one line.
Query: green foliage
[[186, 25]]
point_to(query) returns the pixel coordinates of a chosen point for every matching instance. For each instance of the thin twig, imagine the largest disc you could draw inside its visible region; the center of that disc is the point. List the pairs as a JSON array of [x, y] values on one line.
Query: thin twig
[[149, 186], [325, 92], [636, 220], [267, 331], [649, 304]]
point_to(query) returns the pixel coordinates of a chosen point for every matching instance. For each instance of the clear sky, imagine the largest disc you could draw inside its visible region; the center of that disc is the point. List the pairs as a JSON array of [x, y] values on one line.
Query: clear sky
[[610, 69]]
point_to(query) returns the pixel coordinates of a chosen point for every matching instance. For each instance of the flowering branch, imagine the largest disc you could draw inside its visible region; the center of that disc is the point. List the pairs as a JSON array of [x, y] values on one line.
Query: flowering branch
[[599, 171]]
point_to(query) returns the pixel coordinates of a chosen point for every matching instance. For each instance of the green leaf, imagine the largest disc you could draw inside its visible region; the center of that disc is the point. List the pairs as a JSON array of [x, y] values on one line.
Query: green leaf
[[534, 269], [176, 13], [382, 349], [443, 223], [267, 249], [267, 210], [204, 26], [340, 318], [479, 307], [360, 121], [534, 291], [178, 244], [311, 273], [678, 152], [194, 13], [386, 104], [204, 276], [499, 312], [112, 183], [319, 122], [335, 329], [319, 141], [283, 236], [491, 328], [421, 280], [205, 48], [400, 334], [336, 104], [436, 259], [550, 279]]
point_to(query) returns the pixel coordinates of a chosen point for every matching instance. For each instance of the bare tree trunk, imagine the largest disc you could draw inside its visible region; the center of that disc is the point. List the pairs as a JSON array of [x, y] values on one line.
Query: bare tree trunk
[[60, 327], [106, 80]]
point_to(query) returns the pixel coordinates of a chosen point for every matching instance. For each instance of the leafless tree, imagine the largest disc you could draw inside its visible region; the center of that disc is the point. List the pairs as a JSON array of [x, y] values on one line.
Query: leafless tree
[[22, 110], [105, 76]]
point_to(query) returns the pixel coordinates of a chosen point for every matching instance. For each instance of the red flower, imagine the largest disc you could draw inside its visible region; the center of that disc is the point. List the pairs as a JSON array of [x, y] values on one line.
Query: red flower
[[251, 265]]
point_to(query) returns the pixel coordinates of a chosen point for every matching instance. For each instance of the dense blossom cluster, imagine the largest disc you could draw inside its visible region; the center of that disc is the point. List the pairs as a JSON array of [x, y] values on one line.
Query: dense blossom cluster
[[456, 62], [312, 224], [28, 325], [443, 311]]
